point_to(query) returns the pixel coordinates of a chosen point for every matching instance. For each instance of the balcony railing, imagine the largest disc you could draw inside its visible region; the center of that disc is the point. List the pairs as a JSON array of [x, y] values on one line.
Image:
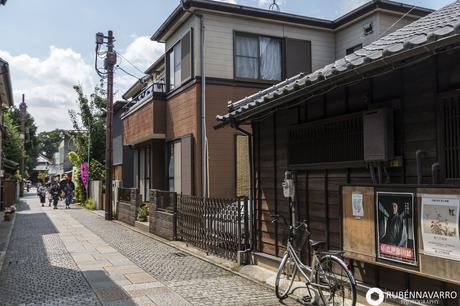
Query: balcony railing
[[148, 91]]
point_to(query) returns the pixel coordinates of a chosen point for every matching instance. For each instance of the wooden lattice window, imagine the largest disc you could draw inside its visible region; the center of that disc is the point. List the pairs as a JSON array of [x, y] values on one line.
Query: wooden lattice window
[[449, 123], [338, 139]]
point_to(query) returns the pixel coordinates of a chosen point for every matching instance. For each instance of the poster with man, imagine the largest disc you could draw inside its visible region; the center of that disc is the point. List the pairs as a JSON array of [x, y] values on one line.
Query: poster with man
[[395, 228]]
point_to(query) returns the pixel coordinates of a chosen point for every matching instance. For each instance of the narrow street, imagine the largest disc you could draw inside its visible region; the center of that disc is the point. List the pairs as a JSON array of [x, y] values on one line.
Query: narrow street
[[74, 257]]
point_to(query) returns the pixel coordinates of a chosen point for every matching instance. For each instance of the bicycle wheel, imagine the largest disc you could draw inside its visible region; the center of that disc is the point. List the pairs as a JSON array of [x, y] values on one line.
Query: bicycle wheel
[[336, 284], [285, 277]]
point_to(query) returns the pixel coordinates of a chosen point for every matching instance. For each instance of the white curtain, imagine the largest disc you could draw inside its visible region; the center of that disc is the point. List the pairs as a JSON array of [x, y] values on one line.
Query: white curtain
[[270, 58], [246, 57]]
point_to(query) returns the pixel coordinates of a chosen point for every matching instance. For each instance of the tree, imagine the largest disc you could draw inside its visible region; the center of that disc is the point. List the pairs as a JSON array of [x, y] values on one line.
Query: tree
[[90, 118], [31, 145], [13, 144], [49, 142]]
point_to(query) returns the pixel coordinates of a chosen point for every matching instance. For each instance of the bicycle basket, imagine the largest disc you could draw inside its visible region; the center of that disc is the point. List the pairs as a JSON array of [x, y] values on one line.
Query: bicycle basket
[[300, 238]]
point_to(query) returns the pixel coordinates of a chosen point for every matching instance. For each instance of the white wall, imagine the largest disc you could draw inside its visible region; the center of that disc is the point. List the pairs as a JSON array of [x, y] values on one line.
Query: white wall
[[219, 41]]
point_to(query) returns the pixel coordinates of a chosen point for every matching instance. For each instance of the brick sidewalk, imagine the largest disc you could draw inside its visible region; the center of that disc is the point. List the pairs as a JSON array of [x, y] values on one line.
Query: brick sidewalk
[[74, 257]]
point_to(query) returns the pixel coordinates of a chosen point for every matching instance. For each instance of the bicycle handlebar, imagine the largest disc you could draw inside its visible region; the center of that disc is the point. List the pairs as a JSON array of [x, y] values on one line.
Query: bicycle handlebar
[[275, 218]]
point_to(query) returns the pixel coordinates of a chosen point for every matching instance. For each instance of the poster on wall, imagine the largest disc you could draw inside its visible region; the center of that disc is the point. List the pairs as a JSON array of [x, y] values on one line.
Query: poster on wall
[[395, 228], [440, 226], [357, 204]]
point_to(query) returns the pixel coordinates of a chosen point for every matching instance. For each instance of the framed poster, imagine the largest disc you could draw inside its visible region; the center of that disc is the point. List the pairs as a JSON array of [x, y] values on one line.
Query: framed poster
[[440, 226], [395, 227]]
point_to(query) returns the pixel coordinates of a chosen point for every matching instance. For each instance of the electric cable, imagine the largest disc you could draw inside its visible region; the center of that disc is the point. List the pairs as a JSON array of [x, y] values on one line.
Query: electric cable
[[135, 67]]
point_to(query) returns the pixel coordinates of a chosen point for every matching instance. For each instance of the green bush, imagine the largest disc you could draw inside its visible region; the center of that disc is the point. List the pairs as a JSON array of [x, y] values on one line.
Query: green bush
[[89, 204], [142, 213]]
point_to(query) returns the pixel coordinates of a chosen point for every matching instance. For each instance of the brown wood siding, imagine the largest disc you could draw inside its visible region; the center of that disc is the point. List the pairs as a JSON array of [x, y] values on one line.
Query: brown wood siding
[[118, 173], [412, 92], [145, 123], [182, 119], [221, 143]]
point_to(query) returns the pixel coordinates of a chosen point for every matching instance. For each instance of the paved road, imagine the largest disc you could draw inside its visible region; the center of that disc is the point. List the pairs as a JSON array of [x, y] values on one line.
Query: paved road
[[74, 257]]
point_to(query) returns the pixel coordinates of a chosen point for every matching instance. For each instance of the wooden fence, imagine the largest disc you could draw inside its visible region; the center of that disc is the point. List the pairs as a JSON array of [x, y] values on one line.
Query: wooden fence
[[218, 226]]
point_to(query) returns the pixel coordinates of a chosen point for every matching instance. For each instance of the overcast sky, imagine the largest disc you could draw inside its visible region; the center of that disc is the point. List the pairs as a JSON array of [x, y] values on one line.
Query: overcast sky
[[50, 43]]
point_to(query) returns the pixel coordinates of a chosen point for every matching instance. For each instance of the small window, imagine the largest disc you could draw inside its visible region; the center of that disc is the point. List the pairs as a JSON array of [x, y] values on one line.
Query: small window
[[258, 57], [174, 58], [354, 48], [174, 166]]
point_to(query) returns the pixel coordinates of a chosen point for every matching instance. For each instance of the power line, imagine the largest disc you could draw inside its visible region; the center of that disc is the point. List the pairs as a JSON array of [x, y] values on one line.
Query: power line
[[135, 67], [128, 73], [397, 21]]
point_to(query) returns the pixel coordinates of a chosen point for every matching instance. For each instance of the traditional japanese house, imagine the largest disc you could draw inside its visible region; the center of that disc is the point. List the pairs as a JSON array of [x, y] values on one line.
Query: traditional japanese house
[[216, 52], [384, 118]]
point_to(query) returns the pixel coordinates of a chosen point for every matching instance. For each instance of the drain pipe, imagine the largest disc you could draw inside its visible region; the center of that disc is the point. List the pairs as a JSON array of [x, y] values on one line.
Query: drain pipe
[[435, 173], [419, 155], [252, 192]]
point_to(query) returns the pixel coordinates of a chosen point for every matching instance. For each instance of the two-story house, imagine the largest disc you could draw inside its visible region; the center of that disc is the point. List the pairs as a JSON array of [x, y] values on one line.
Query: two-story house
[[219, 52], [6, 100]]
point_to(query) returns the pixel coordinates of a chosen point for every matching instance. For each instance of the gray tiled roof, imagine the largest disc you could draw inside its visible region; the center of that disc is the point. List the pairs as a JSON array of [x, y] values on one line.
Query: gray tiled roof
[[440, 24]]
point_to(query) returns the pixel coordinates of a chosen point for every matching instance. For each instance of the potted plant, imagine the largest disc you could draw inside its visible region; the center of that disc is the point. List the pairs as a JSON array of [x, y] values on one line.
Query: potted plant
[[142, 213]]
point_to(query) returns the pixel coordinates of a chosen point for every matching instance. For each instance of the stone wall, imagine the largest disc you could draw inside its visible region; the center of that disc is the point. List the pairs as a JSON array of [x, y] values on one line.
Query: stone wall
[[127, 205], [162, 216]]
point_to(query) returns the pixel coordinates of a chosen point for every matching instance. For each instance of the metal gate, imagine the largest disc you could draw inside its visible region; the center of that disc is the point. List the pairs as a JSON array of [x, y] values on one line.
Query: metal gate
[[217, 226]]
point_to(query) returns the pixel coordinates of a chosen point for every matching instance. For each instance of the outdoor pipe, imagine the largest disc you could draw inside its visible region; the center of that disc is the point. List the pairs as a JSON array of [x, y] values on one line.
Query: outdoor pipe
[[419, 155], [435, 173]]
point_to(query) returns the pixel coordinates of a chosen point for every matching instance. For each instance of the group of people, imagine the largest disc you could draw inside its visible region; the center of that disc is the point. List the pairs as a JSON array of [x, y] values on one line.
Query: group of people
[[54, 190]]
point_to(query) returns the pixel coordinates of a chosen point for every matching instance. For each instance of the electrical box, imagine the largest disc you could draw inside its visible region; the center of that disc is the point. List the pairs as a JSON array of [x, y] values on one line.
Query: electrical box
[[378, 135], [288, 185]]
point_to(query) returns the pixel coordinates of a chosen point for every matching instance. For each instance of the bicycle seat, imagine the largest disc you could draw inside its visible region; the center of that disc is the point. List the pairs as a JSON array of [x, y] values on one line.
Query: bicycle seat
[[316, 244]]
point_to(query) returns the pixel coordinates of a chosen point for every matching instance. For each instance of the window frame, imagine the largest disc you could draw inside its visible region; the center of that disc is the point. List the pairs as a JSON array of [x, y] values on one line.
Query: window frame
[[170, 145], [168, 62], [255, 35], [170, 51]]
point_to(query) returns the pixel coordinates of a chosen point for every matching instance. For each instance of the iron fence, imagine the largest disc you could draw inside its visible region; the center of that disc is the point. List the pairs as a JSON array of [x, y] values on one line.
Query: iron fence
[[217, 226]]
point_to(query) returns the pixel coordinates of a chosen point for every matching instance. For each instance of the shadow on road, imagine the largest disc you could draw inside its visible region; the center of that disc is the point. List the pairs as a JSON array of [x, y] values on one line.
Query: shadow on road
[[38, 269]]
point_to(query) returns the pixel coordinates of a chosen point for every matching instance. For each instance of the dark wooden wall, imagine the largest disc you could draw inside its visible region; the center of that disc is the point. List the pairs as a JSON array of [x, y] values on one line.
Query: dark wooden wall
[[412, 92]]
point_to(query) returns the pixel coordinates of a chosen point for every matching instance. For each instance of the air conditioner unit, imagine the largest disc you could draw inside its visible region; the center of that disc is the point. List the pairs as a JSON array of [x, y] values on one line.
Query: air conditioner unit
[[378, 135]]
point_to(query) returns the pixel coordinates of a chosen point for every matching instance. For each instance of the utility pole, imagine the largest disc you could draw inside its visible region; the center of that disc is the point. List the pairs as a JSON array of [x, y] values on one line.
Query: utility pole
[[109, 64]]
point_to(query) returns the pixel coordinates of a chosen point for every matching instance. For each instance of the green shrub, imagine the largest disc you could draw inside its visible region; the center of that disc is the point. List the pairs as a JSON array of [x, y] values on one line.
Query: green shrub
[[142, 213], [89, 204]]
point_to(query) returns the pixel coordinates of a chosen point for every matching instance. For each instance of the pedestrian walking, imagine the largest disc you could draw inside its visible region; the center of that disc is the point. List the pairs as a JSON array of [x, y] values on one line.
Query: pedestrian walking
[[55, 193], [42, 194], [68, 188]]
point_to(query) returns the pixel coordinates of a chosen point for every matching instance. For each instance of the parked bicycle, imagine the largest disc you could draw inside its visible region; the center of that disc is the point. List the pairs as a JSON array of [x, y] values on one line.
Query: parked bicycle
[[329, 275]]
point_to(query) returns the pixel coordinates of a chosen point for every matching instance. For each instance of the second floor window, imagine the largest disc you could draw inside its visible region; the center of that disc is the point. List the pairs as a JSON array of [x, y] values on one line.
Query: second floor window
[[258, 57], [175, 66]]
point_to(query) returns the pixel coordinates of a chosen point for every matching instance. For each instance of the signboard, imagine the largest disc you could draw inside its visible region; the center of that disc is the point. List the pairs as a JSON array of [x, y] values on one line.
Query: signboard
[[84, 175], [440, 226], [395, 227], [357, 204]]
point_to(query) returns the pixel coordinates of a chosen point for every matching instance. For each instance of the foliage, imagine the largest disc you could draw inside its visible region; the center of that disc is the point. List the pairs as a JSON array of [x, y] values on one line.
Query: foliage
[[42, 175], [114, 214], [49, 142], [89, 204], [89, 125], [80, 192], [13, 144], [32, 143], [17, 177], [96, 171], [142, 213]]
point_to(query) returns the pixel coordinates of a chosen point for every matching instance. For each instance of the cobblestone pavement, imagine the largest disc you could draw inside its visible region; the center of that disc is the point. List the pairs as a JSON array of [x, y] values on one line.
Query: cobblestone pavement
[[74, 257]]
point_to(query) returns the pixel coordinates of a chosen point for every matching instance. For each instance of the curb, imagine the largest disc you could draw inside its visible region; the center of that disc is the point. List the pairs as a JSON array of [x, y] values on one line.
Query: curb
[[168, 243], [8, 238]]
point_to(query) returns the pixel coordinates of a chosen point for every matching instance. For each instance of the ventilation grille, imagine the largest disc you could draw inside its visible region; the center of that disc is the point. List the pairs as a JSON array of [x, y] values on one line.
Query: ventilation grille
[[451, 127], [332, 140]]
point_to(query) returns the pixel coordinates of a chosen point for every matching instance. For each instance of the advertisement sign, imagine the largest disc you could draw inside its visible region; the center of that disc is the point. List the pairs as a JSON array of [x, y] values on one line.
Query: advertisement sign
[[440, 226], [395, 228], [357, 204], [84, 175]]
